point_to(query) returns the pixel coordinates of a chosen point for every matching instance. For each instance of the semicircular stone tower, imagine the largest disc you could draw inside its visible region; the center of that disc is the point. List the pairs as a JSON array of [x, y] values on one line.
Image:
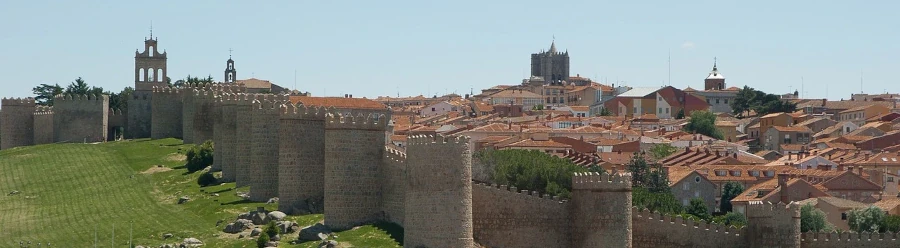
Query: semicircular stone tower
[[438, 192]]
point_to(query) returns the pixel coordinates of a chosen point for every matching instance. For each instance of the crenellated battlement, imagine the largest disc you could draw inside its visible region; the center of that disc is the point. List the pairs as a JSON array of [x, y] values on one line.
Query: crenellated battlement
[[43, 110], [88, 97], [394, 154], [604, 181], [165, 90], [300, 111], [887, 239], [374, 122], [779, 211], [229, 88], [437, 140], [687, 223], [522, 194], [28, 101]]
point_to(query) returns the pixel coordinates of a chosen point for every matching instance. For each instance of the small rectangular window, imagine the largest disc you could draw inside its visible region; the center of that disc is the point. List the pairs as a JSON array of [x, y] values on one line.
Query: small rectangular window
[[717, 101], [726, 101]]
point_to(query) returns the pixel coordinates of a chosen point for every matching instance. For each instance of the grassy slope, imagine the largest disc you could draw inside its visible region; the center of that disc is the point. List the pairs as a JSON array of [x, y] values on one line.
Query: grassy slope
[[69, 190]]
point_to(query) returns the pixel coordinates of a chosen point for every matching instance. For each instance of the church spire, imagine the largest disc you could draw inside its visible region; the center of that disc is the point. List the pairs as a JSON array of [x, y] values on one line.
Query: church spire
[[553, 46], [715, 61]]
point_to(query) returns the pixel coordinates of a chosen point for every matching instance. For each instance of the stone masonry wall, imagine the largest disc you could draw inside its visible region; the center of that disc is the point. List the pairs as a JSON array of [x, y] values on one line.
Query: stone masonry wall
[[218, 127], [393, 185], [354, 146], [228, 156], [655, 230], [204, 101], [17, 122], [508, 218], [188, 94], [80, 118], [116, 124], [438, 192], [242, 140], [773, 225], [301, 160], [850, 240], [140, 114], [167, 113], [43, 125], [601, 210], [264, 148]]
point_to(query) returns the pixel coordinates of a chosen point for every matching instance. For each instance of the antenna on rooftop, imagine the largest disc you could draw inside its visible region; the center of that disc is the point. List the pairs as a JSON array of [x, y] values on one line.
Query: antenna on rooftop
[[860, 81], [295, 78], [802, 89], [669, 81]]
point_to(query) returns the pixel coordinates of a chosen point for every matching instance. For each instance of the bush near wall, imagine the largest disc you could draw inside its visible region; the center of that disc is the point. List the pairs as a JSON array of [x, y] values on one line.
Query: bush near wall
[[199, 156], [531, 170]]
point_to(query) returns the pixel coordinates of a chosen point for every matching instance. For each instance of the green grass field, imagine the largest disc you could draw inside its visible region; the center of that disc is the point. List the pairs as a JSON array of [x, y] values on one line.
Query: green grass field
[[72, 193]]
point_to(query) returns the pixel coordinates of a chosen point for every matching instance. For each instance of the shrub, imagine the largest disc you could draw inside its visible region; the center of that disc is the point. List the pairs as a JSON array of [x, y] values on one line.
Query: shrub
[[663, 202], [731, 219], [199, 157], [812, 219], [207, 179], [531, 170], [262, 240], [698, 208], [271, 229]]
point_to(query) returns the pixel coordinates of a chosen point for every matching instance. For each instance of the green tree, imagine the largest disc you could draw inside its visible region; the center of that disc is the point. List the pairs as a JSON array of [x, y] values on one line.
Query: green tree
[[867, 219], [813, 219], [644, 174], [698, 208], [605, 112], [272, 230], [531, 170], [44, 93], [662, 150], [731, 219], [703, 122], [207, 179], [78, 87], [262, 240], [663, 202], [680, 114], [891, 224], [743, 102], [748, 99], [729, 191], [199, 156]]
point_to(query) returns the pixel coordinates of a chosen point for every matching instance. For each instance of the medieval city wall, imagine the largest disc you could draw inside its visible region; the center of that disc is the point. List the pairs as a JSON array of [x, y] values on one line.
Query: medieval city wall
[[773, 225], [652, 230], [507, 217], [167, 113], [140, 114], [218, 132], [203, 114], [43, 125], [242, 139], [226, 132], [393, 185], [849, 240], [354, 146], [601, 210], [301, 159], [117, 120], [17, 122], [80, 118], [439, 192], [264, 147]]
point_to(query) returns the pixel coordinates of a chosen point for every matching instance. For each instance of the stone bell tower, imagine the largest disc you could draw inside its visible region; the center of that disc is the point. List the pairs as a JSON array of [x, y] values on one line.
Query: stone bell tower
[[230, 72], [149, 71]]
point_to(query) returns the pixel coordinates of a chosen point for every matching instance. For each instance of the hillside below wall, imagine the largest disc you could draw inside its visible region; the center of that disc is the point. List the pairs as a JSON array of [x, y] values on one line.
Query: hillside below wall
[[503, 218], [652, 230]]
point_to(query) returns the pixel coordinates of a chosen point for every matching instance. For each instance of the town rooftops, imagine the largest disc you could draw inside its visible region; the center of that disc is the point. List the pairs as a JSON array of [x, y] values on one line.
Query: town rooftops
[[639, 92], [515, 94], [792, 129]]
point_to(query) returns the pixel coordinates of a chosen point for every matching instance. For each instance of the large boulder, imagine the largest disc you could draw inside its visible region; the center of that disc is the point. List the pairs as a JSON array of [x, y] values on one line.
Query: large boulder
[[287, 226], [272, 244], [255, 232], [311, 233], [276, 216], [260, 216], [183, 200], [238, 225], [191, 242]]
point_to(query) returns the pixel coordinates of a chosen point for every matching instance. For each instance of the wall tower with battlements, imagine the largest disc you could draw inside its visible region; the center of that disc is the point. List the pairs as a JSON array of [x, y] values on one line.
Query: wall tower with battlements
[[80, 118], [354, 146], [17, 122], [264, 147], [167, 113], [43, 125], [242, 138], [229, 126], [301, 160], [149, 71], [598, 201], [438, 192], [203, 115], [773, 225]]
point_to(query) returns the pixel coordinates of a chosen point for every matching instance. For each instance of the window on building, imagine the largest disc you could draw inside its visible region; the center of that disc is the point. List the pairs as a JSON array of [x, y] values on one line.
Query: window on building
[[717, 101], [635, 110], [684, 202], [843, 216], [890, 179], [667, 110], [720, 173], [707, 100], [696, 193], [726, 101], [660, 110], [685, 186], [697, 179], [432, 109]]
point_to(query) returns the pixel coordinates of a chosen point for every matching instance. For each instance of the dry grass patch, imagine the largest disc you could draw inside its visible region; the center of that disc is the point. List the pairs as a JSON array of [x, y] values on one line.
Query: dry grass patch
[[156, 169]]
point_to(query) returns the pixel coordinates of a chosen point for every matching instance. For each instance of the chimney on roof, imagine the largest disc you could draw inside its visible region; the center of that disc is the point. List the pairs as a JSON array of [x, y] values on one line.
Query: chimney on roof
[[850, 168], [867, 157], [859, 170], [782, 184], [734, 154], [824, 101]]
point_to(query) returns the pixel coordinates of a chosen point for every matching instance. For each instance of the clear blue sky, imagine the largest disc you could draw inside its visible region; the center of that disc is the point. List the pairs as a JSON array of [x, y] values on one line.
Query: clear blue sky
[[372, 48]]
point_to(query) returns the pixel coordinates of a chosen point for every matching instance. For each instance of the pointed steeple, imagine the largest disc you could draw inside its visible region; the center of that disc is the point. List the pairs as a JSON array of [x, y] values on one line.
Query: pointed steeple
[[715, 61], [553, 47]]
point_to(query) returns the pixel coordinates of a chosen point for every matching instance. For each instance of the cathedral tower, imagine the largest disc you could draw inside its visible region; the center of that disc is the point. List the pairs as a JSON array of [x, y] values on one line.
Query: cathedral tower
[[551, 65]]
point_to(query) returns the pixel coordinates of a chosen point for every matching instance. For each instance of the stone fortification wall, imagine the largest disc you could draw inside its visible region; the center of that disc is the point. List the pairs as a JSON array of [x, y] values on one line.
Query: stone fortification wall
[[656, 230], [188, 94], [438, 192], [242, 139], [43, 125], [773, 225], [506, 217], [140, 114], [17, 122], [82, 118], [850, 240], [264, 147], [218, 132], [393, 185], [116, 124], [301, 160], [167, 113], [226, 133], [204, 101], [354, 146], [601, 210]]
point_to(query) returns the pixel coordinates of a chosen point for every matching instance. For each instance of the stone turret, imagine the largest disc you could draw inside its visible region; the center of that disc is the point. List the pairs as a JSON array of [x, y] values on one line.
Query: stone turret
[[264, 147], [601, 210], [438, 192], [242, 138], [80, 118], [773, 225], [17, 122], [301, 160], [354, 146], [167, 113]]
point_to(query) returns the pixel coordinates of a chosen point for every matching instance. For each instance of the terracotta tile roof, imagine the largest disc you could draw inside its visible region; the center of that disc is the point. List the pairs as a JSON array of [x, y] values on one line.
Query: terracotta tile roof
[[726, 123], [515, 94], [774, 115], [887, 204], [855, 109], [840, 145], [538, 143], [842, 203], [676, 175], [792, 147], [616, 158], [752, 193], [398, 138], [792, 129], [483, 107], [600, 141], [754, 126], [580, 108], [338, 102], [494, 138]]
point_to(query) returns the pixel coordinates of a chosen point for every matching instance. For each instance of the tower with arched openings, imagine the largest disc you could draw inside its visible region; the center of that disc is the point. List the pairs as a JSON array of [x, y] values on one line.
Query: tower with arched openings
[[149, 71]]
